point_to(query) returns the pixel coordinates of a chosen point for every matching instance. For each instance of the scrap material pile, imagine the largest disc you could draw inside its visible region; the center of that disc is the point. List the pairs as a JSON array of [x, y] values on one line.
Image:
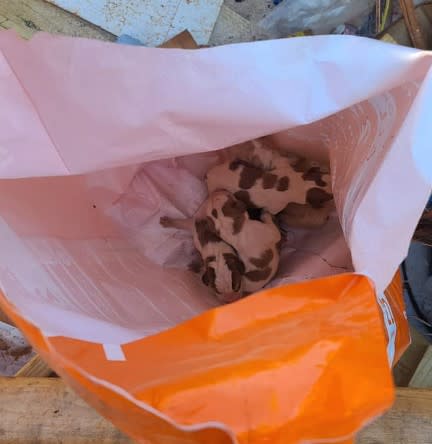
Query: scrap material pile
[[252, 196]]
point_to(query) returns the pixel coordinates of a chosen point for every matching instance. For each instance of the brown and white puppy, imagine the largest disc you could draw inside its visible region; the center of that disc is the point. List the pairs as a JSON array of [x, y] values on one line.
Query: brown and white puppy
[[290, 180], [256, 241], [221, 266], [304, 216]]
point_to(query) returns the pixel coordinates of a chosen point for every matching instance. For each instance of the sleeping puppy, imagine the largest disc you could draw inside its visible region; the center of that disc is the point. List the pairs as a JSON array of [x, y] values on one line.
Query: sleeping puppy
[[304, 216], [222, 268], [260, 154], [290, 180], [256, 241]]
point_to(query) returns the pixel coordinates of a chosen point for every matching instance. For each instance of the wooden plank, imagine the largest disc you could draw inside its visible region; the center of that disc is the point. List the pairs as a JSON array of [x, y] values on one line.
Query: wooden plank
[[422, 377], [405, 368], [45, 410], [182, 41], [412, 24], [408, 422], [398, 33], [35, 368], [30, 16], [151, 22]]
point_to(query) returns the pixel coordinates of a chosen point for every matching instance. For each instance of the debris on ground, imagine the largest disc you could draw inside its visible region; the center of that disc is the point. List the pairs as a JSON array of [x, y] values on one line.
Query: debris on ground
[[15, 351]]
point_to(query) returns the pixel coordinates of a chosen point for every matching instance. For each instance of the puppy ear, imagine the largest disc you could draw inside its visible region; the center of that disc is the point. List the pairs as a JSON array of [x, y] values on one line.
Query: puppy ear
[[241, 206], [209, 277], [240, 265], [236, 278], [237, 268], [233, 262]]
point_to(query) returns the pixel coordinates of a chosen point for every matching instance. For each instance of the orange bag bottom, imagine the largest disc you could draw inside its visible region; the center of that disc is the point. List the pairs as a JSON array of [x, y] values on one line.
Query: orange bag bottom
[[300, 363]]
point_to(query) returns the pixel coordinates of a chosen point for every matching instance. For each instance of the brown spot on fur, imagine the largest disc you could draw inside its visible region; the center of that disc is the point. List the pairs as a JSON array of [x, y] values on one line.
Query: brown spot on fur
[[315, 174], [252, 210], [237, 210], [269, 181], [235, 164], [316, 197], [248, 175], [236, 281], [264, 260], [258, 275], [244, 197], [206, 231], [234, 262], [214, 213], [301, 165], [237, 269], [283, 183], [209, 278], [211, 225]]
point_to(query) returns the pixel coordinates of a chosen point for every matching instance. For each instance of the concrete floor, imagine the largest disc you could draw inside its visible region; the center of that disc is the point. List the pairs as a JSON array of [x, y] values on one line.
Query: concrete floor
[[252, 10]]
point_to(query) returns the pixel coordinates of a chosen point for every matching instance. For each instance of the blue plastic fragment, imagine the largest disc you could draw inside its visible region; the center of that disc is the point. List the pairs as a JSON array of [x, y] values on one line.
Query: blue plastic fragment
[[128, 40]]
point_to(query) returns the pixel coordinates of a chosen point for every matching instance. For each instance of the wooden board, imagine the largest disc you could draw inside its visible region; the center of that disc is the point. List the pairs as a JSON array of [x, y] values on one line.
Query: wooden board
[[35, 368], [405, 368], [398, 33], [44, 410], [422, 377], [151, 22], [408, 422], [182, 41], [30, 16]]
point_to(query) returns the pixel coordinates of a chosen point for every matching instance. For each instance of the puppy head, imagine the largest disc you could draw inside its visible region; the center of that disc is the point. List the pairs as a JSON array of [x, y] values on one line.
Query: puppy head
[[225, 206], [224, 274]]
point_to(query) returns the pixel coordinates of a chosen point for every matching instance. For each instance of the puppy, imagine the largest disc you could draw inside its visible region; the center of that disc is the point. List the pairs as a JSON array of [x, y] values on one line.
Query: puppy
[[289, 180], [304, 216], [256, 241], [222, 268]]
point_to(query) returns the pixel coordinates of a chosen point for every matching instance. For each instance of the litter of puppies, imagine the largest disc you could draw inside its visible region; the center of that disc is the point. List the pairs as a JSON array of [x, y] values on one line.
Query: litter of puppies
[[252, 196]]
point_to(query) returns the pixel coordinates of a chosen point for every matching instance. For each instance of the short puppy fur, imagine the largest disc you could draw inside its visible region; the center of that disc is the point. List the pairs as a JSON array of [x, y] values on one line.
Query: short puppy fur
[[221, 269], [256, 241], [270, 181]]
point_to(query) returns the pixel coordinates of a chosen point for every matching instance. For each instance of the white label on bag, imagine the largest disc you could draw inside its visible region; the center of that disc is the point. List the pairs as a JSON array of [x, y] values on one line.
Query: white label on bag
[[390, 325], [114, 352]]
